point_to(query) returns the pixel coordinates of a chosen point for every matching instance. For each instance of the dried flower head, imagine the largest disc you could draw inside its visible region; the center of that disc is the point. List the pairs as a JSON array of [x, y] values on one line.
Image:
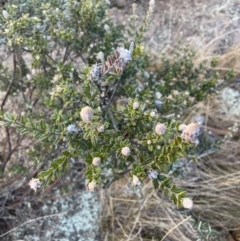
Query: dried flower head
[[153, 174], [96, 161], [126, 151], [86, 114], [135, 105], [95, 72], [124, 54], [73, 128], [34, 183], [191, 133], [187, 203], [101, 128], [160, 129], [91, 185], [136, 181]]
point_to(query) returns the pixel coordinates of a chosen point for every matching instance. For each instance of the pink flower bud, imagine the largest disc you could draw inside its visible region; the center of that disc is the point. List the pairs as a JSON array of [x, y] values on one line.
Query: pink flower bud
[[126, 151], [160, 129], [191, 132], [86, 114], [96, 161], [135, 105], [91, 185]]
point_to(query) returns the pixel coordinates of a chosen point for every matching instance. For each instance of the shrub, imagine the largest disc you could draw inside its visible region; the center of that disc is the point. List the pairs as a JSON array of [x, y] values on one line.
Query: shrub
[[89, 94]]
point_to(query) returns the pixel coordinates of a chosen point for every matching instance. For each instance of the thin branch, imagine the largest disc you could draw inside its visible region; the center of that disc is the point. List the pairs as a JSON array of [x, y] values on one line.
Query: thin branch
[[32, 220], [176, 226], [6, 95]]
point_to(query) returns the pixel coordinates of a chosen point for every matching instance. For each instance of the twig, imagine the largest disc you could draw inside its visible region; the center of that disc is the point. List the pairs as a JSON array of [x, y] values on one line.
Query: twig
[[6, 95], [176, 226]]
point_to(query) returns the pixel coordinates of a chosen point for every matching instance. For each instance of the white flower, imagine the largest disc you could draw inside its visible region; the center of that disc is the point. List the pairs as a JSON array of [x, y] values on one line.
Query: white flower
[[126, 151], [96, 161], [124, 54], [136, 181], [160, 129], [151, 6], [34, 183], [91, 185], [5, 14], [100, 128], [106, 27], [72, 128], [86, 114], [59, 89], [29, 76], [153, 114], [158, 95], [175, 92], [55, 78], [187, 203], [100, 56], [170, 97], [158, 147], [135, 105], [149, 142], [153, 174]]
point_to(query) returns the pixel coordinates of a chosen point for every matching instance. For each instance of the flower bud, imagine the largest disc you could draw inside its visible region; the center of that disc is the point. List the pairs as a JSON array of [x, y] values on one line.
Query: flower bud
[[149, 142], [136, 181], [5, 14], [86, 114], [91, 185], [191, 132], [187, 203], [160, 129], [126, 151], [96, 161], [100, 128], [34, 184], [153, 114], [135, 105]]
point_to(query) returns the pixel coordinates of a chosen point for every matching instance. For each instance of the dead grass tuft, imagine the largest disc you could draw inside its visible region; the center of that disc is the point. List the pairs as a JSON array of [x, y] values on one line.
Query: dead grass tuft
[[132, 214]]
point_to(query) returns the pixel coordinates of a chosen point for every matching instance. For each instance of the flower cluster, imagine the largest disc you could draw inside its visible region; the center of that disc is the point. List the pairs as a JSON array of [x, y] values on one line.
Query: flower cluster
[[160, 129], [34, 184], [86, 114], [190, 132]]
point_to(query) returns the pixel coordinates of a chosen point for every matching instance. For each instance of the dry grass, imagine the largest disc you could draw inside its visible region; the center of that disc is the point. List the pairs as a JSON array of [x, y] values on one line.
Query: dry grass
[[133, 215]]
